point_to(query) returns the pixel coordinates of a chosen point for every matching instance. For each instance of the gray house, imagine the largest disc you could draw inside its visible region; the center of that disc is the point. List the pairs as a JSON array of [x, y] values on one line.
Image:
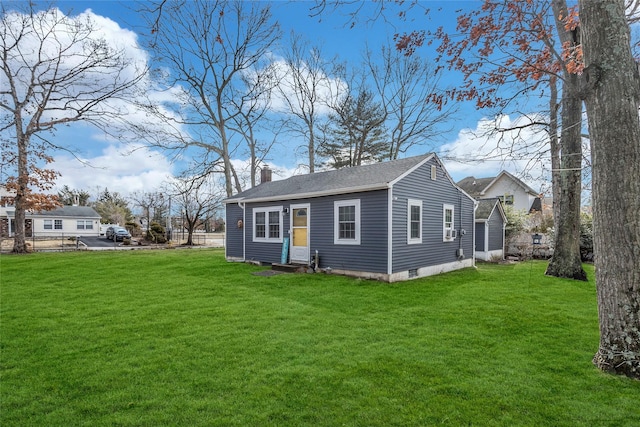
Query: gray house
[[489, 229], [389, 221]]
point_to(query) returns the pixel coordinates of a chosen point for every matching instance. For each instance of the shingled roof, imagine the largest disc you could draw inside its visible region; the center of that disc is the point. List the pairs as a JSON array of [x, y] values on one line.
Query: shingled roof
[[477, 187], [346, 180], [485, 208], [68, 211]]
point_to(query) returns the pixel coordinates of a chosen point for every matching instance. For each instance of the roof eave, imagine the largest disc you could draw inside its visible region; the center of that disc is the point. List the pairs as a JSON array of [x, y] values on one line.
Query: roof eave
[[312, 194]]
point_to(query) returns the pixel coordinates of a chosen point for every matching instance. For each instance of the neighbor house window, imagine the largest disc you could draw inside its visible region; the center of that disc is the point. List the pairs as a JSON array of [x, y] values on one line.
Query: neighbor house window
[[48, 224], [507, 199], [84, 225], [346, 220], [57, 224], [448, 226], [267, 224], [414, 221]]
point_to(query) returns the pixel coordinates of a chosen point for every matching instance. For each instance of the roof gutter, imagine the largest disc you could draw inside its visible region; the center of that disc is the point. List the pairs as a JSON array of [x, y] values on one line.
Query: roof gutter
[[370, 187]]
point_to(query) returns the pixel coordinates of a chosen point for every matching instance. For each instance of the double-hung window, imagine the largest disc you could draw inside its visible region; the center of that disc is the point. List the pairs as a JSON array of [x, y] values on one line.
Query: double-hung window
[[48, 224], [57, 224], [267, 224], [414, 221], [448, 226], [84, 225], [346, 220]]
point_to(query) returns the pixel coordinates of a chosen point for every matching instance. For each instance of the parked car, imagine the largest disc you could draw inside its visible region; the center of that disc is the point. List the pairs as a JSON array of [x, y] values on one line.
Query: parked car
[[121, 234], [117, 233]]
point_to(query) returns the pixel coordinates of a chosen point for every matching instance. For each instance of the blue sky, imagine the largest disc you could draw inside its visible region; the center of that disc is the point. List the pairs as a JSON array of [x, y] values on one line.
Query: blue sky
[[125, 168]]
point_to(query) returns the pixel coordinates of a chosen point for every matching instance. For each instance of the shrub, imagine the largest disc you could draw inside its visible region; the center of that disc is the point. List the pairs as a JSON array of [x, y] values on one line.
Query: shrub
[[156, 233], [586, 237]]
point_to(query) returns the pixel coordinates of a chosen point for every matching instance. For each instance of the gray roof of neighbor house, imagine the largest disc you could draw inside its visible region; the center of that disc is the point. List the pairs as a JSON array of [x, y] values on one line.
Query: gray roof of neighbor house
[[485, 207], [476, 187], [68, 211], [346, 180]]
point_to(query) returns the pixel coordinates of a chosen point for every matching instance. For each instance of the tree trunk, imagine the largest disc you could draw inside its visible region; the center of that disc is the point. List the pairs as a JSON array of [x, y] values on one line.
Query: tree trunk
[[19, 236], [566, 261], [554, 145], [612, 95]]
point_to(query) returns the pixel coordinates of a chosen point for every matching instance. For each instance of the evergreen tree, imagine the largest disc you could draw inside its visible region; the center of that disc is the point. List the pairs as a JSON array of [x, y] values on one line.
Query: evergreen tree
[[113, 208], [357, 133]]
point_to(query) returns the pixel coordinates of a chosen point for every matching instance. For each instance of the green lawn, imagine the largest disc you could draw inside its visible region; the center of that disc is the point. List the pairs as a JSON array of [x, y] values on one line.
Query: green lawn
[[180, 337]]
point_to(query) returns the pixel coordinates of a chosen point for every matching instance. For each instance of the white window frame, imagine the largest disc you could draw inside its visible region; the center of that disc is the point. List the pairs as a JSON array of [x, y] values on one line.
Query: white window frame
[[57, 224], [336, 222], [414, 240], [84, 224], [47, 224], [446, 226], [434, 172], [266, 211]]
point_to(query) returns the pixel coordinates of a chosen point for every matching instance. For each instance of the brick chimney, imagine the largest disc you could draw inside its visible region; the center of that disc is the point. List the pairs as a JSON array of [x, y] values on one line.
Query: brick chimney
[[265, 174]]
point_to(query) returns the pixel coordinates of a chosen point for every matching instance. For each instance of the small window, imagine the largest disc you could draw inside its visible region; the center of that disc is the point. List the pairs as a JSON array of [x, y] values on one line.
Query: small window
[[57, 224], [448, 226], [267, 224], [346, 219], [414, 221], [434, 172], [48, 224]]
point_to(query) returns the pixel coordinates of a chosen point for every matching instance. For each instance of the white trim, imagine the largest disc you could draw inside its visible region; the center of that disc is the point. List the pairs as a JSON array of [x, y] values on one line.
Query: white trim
[[414, 240], [306, 206], [332, 192], [446, 207], [422, 162], [336, 224], [267, 210], [390, 231]]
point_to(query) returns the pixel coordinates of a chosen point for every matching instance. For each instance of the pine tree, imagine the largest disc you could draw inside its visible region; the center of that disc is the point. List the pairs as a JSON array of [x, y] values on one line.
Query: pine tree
[[357, 134]]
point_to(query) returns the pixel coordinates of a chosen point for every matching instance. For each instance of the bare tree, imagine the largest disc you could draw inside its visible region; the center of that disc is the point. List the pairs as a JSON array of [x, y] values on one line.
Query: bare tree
[[198, 200], [407, 85], [55, 71], [306, 90], [253, 108], [207, 48], [152, 205], [612, 96]]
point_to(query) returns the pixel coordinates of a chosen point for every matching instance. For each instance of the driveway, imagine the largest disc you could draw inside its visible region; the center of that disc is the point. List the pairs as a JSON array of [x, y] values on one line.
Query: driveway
[[98, 242]]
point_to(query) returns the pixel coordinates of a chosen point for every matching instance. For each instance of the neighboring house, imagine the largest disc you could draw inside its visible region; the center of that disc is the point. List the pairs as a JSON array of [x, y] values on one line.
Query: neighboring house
[[67, 220], [506, 187], [389, 221], [6, 211], [490, 230]]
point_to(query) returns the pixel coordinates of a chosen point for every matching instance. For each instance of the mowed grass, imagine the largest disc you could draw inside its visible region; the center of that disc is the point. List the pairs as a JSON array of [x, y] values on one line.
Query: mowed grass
[[150, 338]]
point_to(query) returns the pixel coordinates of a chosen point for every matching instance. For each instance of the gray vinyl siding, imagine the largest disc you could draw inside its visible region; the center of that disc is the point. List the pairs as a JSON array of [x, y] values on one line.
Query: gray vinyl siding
[[371, 254], [495, 232], [266, 252], [434, 194], [480, 236], [234, 242]]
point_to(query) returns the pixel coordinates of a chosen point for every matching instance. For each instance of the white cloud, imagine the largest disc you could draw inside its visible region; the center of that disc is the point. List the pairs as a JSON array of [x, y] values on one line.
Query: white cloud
[[480, 152], [122, 169], [324, 88]]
